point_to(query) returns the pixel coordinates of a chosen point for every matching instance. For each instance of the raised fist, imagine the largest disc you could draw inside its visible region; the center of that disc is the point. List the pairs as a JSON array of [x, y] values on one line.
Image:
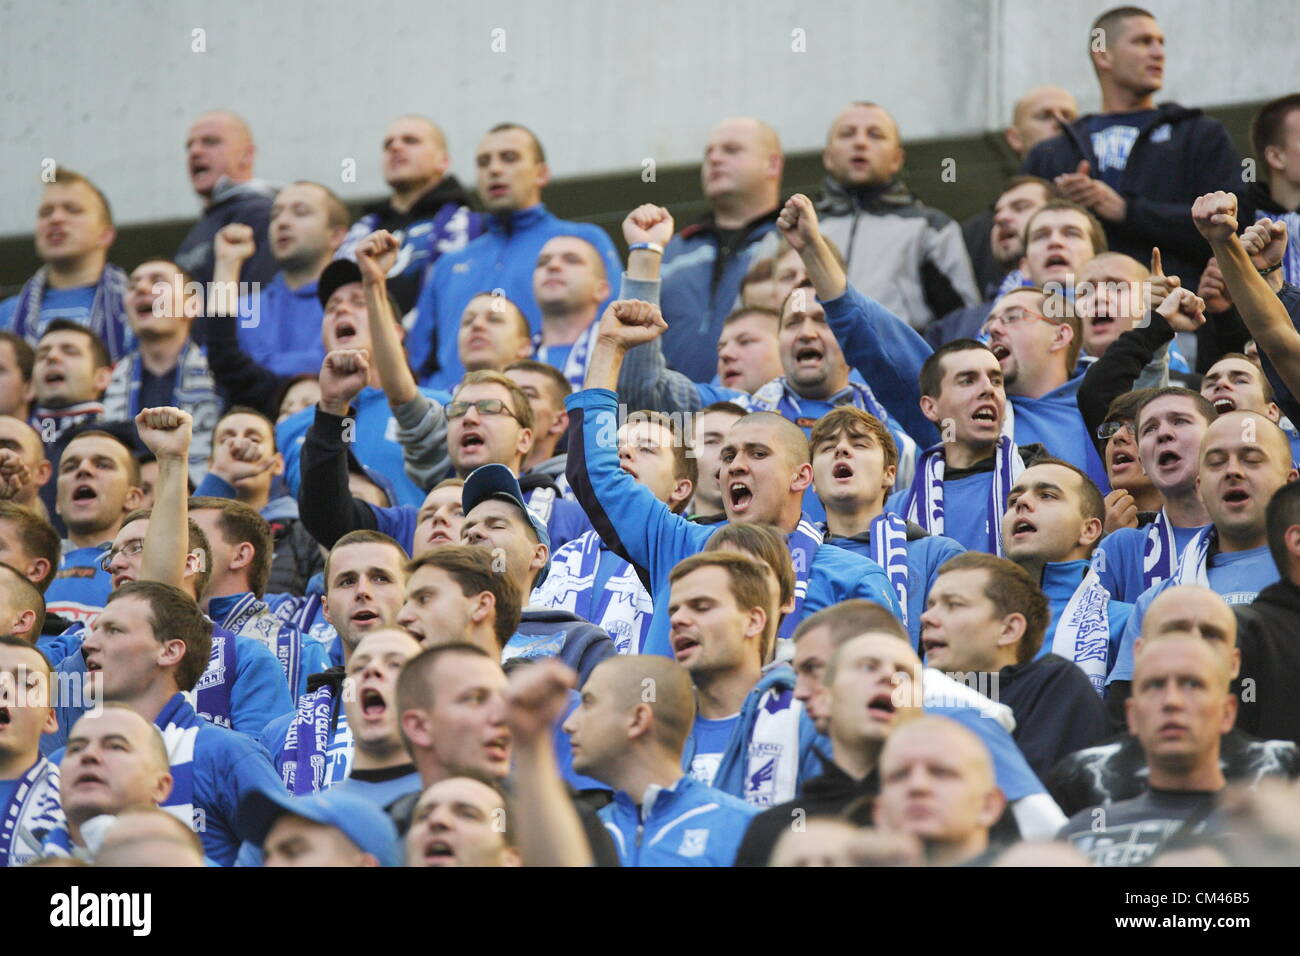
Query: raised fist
[[1183, 309], [343, 375], [165, 431], [14, 474], [798, 222], [536, 697], [648, 223], [237, 459], [1265, 243], [376, 255], [1215, 215], [234, 243], [631, 322]]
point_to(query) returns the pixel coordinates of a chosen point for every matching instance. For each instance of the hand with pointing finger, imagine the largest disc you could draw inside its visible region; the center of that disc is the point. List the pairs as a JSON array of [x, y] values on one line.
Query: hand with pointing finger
[[1159, 283]]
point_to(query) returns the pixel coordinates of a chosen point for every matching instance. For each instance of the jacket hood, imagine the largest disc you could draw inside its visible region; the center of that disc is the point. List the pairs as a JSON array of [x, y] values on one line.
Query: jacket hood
[[552, 467]]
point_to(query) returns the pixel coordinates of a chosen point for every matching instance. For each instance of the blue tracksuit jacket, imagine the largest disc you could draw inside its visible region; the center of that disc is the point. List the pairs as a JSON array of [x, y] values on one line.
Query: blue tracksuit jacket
[[687, 824]]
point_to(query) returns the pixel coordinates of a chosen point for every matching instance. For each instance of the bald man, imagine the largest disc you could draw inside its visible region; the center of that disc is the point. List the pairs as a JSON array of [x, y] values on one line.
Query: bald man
[[905, 255], [936, 783], [630, 732], [427, 211], [1179, 710], [1036, 116], [705, 263], [114, 759], [219, 155], [1116, 770], [1244, 460]]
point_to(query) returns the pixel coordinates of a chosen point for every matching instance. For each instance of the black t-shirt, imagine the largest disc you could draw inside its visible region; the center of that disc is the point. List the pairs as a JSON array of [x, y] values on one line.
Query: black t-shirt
[[1131, 832]]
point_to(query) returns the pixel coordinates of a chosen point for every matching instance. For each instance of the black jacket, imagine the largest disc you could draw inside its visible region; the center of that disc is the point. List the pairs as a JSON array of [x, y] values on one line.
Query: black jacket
[[1162, 177], [1057, 710], [1115, 371], [826, 796], [1268, 634], [405, 288]]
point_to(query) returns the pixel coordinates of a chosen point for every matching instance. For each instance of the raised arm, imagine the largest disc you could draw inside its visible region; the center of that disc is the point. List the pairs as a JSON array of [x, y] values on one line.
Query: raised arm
[[1215, 215], [233, 368], [646, 381], [166, 432], [886, 351], [325, 505], [548, 828], [422, 423]]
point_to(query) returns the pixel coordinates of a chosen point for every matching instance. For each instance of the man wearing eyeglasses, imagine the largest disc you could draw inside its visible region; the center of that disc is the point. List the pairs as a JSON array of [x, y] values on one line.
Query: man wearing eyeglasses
[[489, 421]]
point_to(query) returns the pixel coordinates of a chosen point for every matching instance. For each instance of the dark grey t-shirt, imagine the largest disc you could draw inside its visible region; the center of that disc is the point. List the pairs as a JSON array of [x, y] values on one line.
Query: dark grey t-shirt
[[1130, 832]]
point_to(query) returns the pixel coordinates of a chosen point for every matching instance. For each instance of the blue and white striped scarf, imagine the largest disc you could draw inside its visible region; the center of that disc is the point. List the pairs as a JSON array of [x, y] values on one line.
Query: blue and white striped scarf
[[1194, 564], [889, 549], [803, 541], [179, 725], [33, 813], [317, 751], [211, 695], [195, 392], [1160, 553], [623, 608], [777, 396], [1082, 632], [251, 617], [1291, 258], [772, 761], [924, 503], [107, 317]]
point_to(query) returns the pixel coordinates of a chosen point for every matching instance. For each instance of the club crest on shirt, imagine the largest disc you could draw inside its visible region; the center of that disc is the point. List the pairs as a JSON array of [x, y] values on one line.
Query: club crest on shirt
[[694, 843]]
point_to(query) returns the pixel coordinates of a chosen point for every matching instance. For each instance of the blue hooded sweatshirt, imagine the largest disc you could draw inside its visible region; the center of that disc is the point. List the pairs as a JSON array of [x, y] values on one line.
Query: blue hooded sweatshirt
[[280, 330], [560, 634], [687, 824], [504, 258], [638, 526], [733, 774]]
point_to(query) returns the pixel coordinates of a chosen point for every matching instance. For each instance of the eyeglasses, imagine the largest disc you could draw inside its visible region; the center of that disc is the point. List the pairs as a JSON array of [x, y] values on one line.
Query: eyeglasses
[[485, 406], [1013, 317], [1107, 430], [130, 550]]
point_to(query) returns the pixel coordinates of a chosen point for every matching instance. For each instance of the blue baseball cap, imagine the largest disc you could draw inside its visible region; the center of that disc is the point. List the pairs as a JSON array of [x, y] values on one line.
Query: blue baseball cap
[[361, 821], [498, 481]]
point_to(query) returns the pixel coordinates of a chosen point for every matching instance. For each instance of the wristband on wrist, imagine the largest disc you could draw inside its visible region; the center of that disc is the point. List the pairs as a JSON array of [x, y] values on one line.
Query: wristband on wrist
[[652, 246], [1273, 268]]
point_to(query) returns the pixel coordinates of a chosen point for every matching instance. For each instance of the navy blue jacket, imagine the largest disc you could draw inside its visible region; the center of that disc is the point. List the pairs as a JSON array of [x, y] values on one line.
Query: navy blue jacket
[[1180, 155]]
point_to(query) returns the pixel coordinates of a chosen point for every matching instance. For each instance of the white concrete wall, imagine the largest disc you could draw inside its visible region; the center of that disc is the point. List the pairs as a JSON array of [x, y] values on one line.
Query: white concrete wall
[[108, 88]]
